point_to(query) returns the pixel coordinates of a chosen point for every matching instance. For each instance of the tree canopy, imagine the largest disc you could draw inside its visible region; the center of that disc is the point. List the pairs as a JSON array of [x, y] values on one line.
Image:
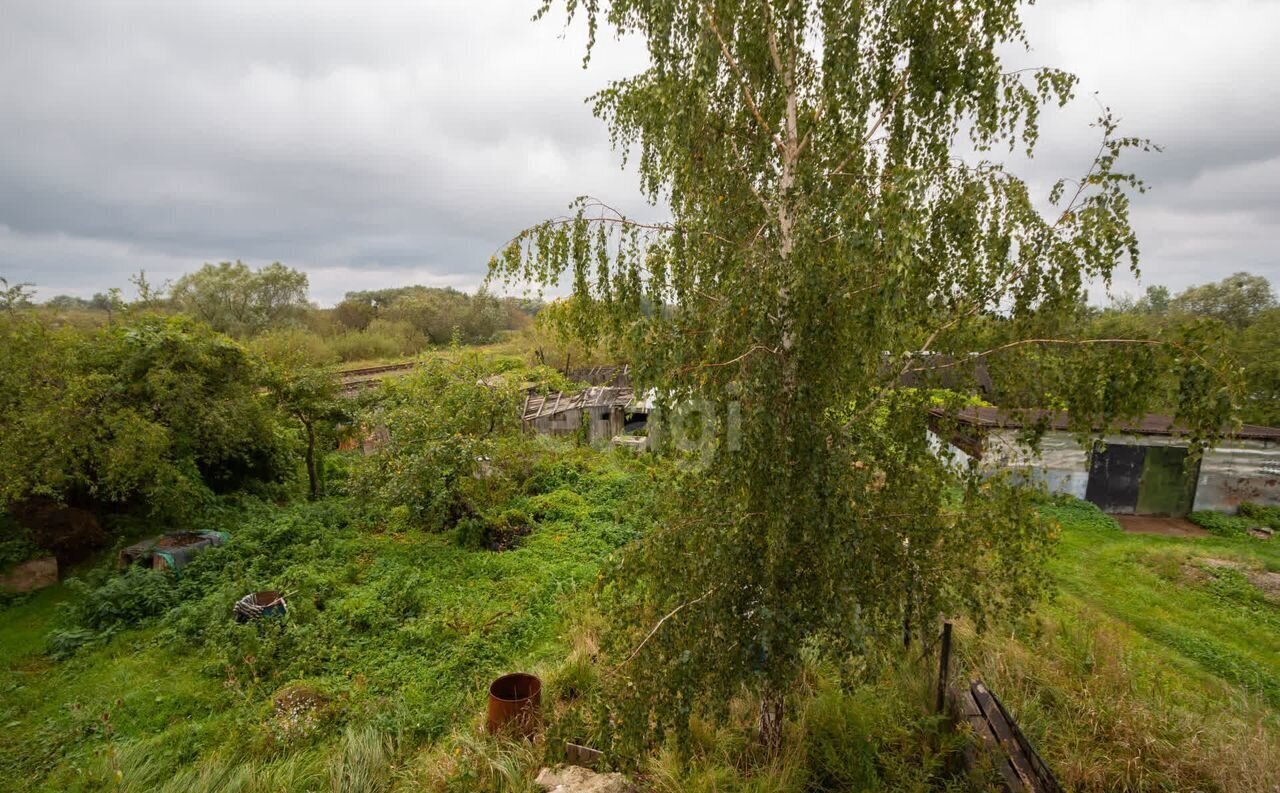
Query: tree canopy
[[151, 412], [1236, 300], [234, 298], [824, 219]]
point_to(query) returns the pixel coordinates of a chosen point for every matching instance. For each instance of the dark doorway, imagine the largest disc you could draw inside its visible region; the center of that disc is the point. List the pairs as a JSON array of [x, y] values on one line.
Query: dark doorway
[[1167, 488], [1142, 480], [1115, 473]]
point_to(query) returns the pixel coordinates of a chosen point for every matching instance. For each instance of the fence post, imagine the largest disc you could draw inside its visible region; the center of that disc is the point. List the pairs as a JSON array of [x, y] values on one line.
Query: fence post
[[944, 662]]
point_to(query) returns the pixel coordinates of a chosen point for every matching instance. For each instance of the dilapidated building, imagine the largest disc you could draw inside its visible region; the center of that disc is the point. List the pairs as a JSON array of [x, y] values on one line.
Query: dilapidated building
[[601, 409], [1142, 469]]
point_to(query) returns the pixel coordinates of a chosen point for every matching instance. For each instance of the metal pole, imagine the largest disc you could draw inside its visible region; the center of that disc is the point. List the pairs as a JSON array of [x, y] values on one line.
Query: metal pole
[[943, 663]]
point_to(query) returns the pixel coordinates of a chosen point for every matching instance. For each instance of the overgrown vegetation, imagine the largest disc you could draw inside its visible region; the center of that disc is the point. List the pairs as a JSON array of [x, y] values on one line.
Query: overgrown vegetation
[[730, 612], [1249, 516], [375, 681]]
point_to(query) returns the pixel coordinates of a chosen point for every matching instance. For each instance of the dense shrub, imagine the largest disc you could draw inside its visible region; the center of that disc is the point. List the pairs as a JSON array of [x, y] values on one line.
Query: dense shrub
[[110, 604], [1259, 515], [161, 411], [443, 421], [497, 534], [1219, 523]]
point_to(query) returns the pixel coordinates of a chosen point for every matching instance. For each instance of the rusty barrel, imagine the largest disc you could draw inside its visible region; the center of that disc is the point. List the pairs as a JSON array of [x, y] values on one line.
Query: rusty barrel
[[515, 704]]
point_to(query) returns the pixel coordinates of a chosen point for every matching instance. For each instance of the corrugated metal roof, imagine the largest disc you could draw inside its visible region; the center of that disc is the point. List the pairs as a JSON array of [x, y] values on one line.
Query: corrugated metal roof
[[597, 397], [1150, 424]]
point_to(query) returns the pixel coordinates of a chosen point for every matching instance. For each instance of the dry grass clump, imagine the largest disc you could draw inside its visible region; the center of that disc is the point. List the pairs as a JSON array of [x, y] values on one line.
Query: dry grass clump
[[1109, 713]]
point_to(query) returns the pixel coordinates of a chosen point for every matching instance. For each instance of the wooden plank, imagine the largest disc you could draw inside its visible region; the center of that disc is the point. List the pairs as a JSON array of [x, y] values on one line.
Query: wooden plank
[[1044, 776], [1004, 733], [999, 760], [585, 756], [944, 664]]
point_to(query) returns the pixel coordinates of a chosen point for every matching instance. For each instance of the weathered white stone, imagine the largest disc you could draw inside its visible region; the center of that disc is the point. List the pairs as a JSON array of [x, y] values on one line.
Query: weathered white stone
[[574, 779]]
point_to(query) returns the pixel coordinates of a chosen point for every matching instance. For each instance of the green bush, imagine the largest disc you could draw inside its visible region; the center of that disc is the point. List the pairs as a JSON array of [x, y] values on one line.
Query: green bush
[[1219, 523], [1260, 515], [1069, 510], [121, 601], [472, 533], [499, 534]]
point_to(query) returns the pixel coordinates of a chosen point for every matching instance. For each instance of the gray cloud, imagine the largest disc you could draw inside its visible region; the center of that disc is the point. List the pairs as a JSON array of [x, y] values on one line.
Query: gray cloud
[[374, 144]]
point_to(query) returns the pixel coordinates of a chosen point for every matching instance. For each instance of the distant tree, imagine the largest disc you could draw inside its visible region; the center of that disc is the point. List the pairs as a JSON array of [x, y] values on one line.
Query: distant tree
[[822, 224], [1235, 300], [434, 313], [484, 317], [355, 314], [438, 314], [233, 298], [67, 303], [14, 297], [150, 296], [310, 396], [101, 301], [1155, 301]]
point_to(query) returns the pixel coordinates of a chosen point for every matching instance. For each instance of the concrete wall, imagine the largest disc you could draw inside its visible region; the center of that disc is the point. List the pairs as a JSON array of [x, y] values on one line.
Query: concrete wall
[[1237, 470]]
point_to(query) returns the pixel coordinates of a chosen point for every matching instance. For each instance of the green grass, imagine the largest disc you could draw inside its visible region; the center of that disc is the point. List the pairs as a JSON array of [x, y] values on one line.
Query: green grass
[[1202, 615], [1157, 666]]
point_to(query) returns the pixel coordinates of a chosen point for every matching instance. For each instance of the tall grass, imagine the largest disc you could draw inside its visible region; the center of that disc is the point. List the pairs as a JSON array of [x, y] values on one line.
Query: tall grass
[[363, 765], [1107, 712], [138, 767]]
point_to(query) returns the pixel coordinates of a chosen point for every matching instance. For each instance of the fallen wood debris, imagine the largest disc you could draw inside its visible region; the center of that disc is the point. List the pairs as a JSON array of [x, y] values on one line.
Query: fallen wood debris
[[1021, 769]]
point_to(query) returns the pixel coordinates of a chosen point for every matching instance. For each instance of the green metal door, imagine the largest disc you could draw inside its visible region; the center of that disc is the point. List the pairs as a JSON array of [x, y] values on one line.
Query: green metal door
[[1167, 486]]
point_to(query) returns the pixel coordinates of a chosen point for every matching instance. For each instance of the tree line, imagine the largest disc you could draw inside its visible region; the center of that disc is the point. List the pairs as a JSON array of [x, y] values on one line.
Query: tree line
[[1234, 324], [273, 300]]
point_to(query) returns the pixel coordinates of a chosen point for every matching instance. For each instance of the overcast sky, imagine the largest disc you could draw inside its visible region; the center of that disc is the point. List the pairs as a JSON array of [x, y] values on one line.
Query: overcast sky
[[376, 144]]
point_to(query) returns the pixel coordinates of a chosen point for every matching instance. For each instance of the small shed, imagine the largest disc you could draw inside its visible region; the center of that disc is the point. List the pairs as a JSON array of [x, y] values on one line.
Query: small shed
[[602, 408], [1142, 469]]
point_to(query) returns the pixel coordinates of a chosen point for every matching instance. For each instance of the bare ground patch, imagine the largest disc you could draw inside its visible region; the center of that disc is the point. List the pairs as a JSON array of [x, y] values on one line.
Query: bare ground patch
[[1164, 526], [1200, 570]]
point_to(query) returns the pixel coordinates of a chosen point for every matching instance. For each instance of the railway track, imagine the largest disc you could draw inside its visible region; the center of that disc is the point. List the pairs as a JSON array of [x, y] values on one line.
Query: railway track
[[356, 379]]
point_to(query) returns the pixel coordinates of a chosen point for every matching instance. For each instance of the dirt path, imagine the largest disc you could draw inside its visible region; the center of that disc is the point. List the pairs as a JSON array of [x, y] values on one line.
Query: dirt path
[[1168, 527]]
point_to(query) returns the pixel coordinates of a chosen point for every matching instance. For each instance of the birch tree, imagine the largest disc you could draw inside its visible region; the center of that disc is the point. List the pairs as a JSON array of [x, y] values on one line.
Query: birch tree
[[837, 209]]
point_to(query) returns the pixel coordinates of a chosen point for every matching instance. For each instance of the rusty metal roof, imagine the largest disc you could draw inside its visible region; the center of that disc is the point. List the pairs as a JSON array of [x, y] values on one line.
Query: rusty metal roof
[[598, 397], [1150, 424]]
